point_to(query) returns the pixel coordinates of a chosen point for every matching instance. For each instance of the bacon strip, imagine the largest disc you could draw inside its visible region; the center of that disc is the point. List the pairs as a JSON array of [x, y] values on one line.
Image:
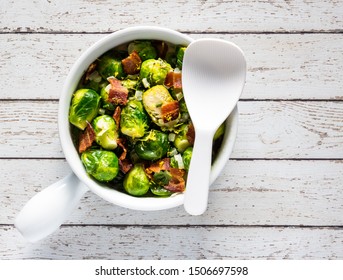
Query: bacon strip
[[116, 116], [121, 143], [173, 80], [90, 70], [170, 111], [155, 167], [177, 183], [124, 164], [86, 138], [191, 134], [132, 64], [118, 94]]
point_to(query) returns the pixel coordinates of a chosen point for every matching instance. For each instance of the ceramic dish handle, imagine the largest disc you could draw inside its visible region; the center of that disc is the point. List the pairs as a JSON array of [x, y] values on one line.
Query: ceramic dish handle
[[47, 210]]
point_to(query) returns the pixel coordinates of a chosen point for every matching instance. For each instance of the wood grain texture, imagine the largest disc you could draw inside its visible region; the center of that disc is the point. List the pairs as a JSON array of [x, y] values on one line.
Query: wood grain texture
[[284, 193], [272, 130], [151, 242], [280, 66], [199, 16], [280, 197]]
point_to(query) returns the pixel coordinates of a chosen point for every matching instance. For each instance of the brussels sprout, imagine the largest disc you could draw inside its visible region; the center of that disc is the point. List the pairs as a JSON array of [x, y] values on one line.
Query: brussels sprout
[[181, 141], [105, 103], [110, 66], [219, 132], [153, 146], [144, 49], [153, 100], [104, 92], [106, 132], [180, 51], [133, 119], [130, 84], [84, 107], [186, 157], [136, 182], [154, 71], [159, 190], [102, 165], [184, 115]]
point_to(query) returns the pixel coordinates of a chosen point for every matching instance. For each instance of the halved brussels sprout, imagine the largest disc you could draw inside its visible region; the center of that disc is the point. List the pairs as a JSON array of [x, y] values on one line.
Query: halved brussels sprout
[[144, 49], [106, 132], [219, 132], [84, 107], [154, 71], [186, 157], [153, 146], [110, 66], [134, 120], [102, 165], [153, 100], [136, 182], [181, 141], [130, 84], [105, 103], [160, 191], [180, 51]]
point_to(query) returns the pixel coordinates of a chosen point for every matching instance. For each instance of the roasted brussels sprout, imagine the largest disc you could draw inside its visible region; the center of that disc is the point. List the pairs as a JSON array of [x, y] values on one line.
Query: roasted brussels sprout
[[153, 146], [219, 132], [186, 157], [159, 180], [106, 132], [181, 141], [110, 66], [154, 100], [144, 49], [84, 107], [134, 120], [130, 84], [154, 71], [136, 182], [105, 103], [102, 165], [180, 51]]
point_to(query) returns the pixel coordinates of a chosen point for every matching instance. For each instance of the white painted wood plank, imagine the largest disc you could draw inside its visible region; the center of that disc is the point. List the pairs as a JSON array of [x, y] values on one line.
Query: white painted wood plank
[[280, 66], [200, 16], [103, 242], [290, 130], [29, 129], [286, 129], [246, 193]]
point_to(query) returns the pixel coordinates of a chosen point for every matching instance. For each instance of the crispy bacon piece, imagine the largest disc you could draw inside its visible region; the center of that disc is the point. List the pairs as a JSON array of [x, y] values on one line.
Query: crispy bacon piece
[[118, 94], [90, 70], [86, 138], [116, 116], [132, 64], [177, 183], [124, 163], [155, 167], [191, 134], [122, 144], [173, 80], [170, 111]]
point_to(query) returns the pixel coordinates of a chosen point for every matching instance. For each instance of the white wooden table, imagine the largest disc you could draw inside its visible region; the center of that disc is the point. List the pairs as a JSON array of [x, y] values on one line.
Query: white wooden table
[[281, 194]]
